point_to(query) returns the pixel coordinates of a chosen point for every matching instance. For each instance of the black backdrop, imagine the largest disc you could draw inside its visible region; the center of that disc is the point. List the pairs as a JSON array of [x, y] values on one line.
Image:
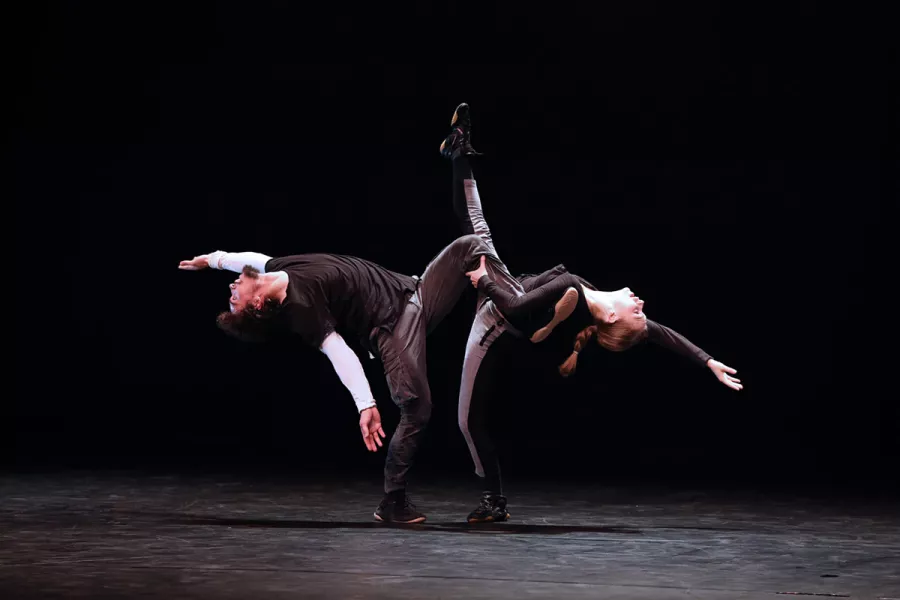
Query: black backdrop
[[729, 166]]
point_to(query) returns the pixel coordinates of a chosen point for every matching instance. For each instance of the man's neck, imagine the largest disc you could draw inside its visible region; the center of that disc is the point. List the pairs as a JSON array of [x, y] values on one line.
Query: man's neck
[[275, 285]]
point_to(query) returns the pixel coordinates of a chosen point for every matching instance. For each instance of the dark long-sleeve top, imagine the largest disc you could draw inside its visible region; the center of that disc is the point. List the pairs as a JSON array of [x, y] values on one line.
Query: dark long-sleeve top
[[530, 312]]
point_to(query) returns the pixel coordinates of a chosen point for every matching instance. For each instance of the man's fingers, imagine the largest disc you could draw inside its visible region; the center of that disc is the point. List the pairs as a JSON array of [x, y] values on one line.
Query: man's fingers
[[381, 431], [730, 370], [377, 439]]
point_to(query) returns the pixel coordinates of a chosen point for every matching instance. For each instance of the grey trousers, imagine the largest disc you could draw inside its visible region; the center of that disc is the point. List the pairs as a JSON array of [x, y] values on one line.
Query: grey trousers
[[402, 350]]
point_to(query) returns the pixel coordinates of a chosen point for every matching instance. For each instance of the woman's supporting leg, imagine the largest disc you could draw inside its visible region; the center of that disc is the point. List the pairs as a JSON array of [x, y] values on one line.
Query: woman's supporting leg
[[487, 326], [475, 393]]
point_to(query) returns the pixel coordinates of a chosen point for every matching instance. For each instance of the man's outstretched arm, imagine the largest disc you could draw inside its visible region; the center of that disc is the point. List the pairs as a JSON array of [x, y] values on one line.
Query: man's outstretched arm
[[227, 261], [350, 371]]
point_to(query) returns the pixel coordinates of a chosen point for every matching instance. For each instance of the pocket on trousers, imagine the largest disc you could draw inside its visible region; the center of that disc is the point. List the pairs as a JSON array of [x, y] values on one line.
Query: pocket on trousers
[[399, 382]]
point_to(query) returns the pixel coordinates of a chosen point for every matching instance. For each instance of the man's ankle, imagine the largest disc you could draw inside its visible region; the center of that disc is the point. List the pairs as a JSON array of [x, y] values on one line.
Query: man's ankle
[[396, 495]]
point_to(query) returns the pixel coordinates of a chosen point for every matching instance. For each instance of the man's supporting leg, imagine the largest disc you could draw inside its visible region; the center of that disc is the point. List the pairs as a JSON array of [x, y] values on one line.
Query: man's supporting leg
[[403, 355]]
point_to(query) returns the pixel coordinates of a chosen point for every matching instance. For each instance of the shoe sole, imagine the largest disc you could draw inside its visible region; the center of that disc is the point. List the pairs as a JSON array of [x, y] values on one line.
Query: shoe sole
[[456, 113], [507, 517], [564, 309], [416, 520]]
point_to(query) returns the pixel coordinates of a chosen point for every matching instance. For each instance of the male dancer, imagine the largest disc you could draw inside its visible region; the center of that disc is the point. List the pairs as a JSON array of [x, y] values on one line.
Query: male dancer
[[328, 300]]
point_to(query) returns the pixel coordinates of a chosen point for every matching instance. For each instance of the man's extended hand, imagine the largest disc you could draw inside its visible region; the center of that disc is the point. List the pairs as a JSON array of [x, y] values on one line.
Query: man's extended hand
[[724, 374], [195, 264], [370, 426]]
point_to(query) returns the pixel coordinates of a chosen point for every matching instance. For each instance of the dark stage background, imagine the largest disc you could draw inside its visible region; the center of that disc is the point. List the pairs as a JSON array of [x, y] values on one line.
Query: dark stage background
[[730, 167]]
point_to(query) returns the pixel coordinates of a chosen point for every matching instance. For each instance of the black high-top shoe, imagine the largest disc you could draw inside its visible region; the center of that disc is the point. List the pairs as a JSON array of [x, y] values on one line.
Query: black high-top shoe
[[458, 142], [492, 509], [398, 509]]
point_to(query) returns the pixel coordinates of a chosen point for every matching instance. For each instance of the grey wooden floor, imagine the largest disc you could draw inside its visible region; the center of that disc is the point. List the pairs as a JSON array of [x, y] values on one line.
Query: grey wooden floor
[[137, 536]]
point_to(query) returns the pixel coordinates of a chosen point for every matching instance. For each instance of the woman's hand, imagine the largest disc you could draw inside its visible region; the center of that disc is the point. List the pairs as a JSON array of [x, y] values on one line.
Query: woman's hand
[[477, 273], [724, 374]]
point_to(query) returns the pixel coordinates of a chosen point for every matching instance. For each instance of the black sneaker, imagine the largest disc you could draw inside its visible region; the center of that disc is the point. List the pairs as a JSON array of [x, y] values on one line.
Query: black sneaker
[[492, 509], [398, 510], [458, 143]]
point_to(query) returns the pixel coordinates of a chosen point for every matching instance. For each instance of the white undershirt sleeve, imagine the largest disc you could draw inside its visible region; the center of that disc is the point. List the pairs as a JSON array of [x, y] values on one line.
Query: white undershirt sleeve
[[349, 370], [236, 261]]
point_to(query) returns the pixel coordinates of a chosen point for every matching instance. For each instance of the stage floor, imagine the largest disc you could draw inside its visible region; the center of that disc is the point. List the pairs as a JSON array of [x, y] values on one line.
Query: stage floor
[[80, 535]]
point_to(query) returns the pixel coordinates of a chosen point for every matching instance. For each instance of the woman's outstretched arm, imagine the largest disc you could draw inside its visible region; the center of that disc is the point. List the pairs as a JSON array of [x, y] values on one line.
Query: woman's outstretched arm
[[674, 341]]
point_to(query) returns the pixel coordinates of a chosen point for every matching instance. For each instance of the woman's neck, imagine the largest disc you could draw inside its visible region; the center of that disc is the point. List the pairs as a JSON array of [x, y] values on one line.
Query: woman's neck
[[598, 302]]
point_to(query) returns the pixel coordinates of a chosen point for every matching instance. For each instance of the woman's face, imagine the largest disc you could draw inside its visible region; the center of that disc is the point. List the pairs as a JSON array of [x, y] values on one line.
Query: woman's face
[[628, 307]]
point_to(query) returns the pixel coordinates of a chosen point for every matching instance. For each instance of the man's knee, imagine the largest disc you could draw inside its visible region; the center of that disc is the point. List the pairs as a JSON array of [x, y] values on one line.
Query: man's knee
[[417, 410], [471, 242], [469, 248]]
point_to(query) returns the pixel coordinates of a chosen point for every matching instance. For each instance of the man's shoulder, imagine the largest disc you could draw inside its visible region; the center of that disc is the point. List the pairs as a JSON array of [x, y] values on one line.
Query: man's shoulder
[[303, 262]]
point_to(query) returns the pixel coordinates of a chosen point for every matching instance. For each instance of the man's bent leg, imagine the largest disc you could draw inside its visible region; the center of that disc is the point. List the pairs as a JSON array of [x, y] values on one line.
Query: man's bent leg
[[444, 279], [467, 206]]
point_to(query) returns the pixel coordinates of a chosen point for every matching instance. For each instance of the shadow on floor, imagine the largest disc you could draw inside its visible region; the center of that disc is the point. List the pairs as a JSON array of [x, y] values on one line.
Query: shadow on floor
[[449, 527]]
